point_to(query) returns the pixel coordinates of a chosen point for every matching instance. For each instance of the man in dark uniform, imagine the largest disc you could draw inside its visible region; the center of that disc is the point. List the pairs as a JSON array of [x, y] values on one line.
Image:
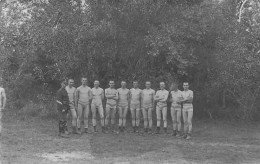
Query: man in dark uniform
[[63, 108]]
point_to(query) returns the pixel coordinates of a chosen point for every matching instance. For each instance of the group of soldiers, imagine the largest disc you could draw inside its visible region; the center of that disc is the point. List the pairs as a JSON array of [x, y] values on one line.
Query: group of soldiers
[[79, 101]]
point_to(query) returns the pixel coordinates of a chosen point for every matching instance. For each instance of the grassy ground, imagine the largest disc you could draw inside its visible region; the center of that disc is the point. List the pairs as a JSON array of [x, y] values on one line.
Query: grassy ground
[[34, 140]]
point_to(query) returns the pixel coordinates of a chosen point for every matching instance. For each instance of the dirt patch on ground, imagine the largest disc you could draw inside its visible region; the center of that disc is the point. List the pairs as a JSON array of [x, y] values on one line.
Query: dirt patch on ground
[[34, 140], [66, 156]]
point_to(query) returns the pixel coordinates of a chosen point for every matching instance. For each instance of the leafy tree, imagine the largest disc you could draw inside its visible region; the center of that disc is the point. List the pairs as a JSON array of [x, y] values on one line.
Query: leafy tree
[[213, 44]]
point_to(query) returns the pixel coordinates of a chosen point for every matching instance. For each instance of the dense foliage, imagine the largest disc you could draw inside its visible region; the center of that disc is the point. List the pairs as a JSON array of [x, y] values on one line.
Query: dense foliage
[[214, 44]]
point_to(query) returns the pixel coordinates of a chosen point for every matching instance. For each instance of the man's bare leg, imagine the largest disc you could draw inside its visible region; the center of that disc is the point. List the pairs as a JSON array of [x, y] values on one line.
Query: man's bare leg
[[101, 114], [137, 119], [108, 117], [190, 115], [74, 120], [150, 119], [120, 121], [164, 111], [133, 118], [86, 114], [80, 116], [158, 117], [178, 117], [174, 120], [185, 120], [124, 117], [0, 120], [94, 117], [113, 116], [145, 116]]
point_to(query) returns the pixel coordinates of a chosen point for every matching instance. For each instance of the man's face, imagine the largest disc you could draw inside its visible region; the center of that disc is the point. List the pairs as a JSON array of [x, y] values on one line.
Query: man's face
[[111, 84], [135, 84], [96, 84], [162, 85], [84, 81], [185, 86], [123, 84], [148, 85], [71, 83]]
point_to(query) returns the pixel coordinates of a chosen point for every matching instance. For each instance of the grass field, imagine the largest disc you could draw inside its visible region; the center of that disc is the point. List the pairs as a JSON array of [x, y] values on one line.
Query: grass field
[[27, 140]]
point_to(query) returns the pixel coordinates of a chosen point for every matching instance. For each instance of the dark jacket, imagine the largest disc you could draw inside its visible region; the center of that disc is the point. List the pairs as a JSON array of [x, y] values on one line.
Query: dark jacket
[[62, 99]]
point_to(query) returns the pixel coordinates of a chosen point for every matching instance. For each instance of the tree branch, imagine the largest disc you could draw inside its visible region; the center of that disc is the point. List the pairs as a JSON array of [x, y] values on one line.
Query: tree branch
[[240, 10]]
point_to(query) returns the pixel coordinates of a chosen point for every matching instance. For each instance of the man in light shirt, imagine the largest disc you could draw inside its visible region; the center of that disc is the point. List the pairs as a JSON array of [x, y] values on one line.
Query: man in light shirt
[[176, 97], [123, 105], [72, 93], [147, 97], [111, 95], [161, 97], [187, 110], [97, 98], [135, 105], [2, 103], [83, 97]]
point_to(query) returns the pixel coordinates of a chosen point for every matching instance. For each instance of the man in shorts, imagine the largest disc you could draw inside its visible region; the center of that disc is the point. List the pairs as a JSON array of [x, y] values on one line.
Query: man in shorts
[[83, 97], [2, 103], [161, 97], [123, 105], [71, 93], [97, 99], [135, 105], [62, 100], [111, 95], [187, 110], [176, 96], [147, 97]]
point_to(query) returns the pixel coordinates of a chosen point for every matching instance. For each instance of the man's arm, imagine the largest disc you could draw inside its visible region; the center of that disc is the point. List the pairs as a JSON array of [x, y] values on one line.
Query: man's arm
[[4, 98], [115, 97], [59, 100], [74, 97], [179, 100], [59, 97], [190, 97], [90, 94], [153, 98], [108, 96], [66, 97], [156, 96], [165, 96]]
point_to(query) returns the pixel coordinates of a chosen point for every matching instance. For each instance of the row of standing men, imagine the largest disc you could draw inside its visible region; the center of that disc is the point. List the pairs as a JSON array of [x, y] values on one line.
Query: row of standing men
[[83, 99]]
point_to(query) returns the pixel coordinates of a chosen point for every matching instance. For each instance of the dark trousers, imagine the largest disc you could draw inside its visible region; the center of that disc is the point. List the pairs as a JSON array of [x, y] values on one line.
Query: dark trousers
[[62, 115]]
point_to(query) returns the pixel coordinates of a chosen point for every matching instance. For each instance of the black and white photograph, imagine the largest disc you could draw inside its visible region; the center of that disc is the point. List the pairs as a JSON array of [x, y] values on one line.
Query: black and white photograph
[[129, 81]]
